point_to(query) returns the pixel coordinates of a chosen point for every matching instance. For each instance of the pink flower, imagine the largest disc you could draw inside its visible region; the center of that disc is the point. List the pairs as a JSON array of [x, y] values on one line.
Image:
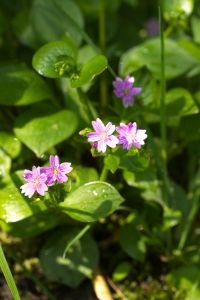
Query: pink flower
[[102, 135], [129, 135], [35, 182], [125, 90], [56, 171]]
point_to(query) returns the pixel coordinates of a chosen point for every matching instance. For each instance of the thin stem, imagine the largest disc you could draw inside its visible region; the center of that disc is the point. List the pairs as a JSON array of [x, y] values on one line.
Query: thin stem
[[193, 212], [84, 100], [77, 237], [104, 174], [43, 288], [162, 92], [102, 42]]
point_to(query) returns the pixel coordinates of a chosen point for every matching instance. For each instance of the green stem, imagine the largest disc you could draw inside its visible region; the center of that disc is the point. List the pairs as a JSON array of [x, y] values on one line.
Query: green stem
[[77, 237], [86, 106], [8, 275], [104, 174], [102, 42], [162, 92], [192, 214], [43, 288]]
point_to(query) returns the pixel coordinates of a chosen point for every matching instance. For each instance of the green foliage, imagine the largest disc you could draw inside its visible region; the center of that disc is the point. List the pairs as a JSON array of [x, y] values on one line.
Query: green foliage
[[84, 252], [142, 203]]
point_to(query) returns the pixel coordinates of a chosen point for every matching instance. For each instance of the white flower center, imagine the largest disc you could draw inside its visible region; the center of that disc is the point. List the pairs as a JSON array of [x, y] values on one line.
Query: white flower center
[[103, 135], [36, 182], [130, 136], [126, 91], [55, 172]]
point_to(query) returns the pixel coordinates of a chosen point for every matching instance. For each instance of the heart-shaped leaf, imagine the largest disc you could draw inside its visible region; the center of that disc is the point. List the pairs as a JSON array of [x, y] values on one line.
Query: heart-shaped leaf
[[54, 60], [21, 86], [42, 127], [91, 202], [79, 262]]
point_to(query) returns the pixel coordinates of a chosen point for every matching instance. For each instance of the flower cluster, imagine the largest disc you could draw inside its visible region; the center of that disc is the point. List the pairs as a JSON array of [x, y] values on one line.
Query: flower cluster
[[103, 136], [40, 178], [125, 90]]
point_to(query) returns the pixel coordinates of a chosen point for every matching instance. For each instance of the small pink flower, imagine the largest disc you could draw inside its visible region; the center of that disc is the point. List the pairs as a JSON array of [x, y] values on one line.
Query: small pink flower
[[102, 135], [125, 90], [56, 171], [129, 135], [35, 182]]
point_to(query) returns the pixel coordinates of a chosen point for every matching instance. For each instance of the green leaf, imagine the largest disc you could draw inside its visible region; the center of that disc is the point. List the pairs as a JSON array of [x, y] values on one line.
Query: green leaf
[[5, 163], [195, 24], [50, 23], [54, 60], [41, 128], [191, 48], [134, 163], [33, 225], [179, 102], [80, 260], [177, 60], [189, 127], [112, 162], [131, 241], [184, 278], [91, 202], [15, 206], [121, 271], [9, 144], [81, 175], [171, 218], [177, 9], [21, 86], [8, 275], [146, 179], [93, 67]]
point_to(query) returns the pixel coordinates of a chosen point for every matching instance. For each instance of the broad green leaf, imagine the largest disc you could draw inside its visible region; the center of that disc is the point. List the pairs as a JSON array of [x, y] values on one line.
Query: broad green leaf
[[35, 224], [171, 218], [91, 202], [191, 48], [185, 277], [24, 30], [49, 20], [148, 95], [41, 128], [131, 242], [177, 60], [10, 144], [79, 262], [121, 271], [5, 163], [54, 60], [134, 163], [146, 179], [81, 175], [112, 162], [189, 128], [177, 9], [93, 67], [195, 24], [179, 102], [21, 86], [14, 206]]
